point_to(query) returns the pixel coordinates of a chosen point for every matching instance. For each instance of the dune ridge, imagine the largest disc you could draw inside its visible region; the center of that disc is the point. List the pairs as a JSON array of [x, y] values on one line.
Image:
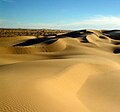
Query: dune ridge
[[78, 71]]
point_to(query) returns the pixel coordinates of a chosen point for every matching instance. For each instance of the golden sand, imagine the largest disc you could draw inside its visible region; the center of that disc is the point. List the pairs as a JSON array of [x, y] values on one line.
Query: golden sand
[[80, 74]]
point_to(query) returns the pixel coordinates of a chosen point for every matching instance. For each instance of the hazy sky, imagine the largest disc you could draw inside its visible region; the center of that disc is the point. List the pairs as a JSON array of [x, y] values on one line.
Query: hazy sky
[[60, 14]]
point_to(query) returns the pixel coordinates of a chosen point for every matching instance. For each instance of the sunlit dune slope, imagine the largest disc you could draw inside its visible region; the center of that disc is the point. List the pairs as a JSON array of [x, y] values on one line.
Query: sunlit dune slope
[[77, 71]]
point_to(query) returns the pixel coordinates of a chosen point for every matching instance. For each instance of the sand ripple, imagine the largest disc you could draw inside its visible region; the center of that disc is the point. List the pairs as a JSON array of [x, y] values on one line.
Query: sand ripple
[[73, 72]]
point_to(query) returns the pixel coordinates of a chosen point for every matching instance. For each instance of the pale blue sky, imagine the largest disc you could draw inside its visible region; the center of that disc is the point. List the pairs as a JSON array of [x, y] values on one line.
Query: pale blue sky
[[60, 14]]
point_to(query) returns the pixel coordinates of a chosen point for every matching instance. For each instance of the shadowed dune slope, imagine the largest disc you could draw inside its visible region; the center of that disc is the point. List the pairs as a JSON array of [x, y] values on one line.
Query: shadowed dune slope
[[77, 71]]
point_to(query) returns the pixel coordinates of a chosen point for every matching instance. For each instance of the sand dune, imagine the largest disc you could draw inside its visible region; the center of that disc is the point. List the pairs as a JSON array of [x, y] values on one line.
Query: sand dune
[[77, 71]]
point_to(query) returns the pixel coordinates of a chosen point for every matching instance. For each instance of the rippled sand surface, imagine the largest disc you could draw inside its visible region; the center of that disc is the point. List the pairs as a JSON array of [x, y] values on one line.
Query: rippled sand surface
[[73, 72]]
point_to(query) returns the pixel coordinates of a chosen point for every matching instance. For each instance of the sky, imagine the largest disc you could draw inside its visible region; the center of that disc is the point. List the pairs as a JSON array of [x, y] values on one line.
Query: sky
[[60, 14]]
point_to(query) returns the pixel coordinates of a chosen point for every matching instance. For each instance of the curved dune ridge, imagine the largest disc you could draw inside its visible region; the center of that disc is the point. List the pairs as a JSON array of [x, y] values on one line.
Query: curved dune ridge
[[77, 71]]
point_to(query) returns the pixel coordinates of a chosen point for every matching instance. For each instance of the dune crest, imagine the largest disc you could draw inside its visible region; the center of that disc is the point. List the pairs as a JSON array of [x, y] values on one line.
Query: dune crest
[[77, 71]]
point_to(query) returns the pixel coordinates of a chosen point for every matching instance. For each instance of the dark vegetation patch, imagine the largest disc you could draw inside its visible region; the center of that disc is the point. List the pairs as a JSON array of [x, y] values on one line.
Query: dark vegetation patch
[[5, 32]]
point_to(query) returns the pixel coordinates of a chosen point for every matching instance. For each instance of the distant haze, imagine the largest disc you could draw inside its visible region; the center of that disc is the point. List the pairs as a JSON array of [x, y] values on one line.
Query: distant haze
[[60, 14]]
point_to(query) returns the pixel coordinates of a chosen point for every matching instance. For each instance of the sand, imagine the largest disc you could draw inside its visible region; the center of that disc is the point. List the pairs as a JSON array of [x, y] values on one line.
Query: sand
[[72, 72]]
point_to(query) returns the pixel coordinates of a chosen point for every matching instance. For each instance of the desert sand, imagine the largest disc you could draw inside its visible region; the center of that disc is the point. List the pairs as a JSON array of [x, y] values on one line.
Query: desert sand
[[72, 72]]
